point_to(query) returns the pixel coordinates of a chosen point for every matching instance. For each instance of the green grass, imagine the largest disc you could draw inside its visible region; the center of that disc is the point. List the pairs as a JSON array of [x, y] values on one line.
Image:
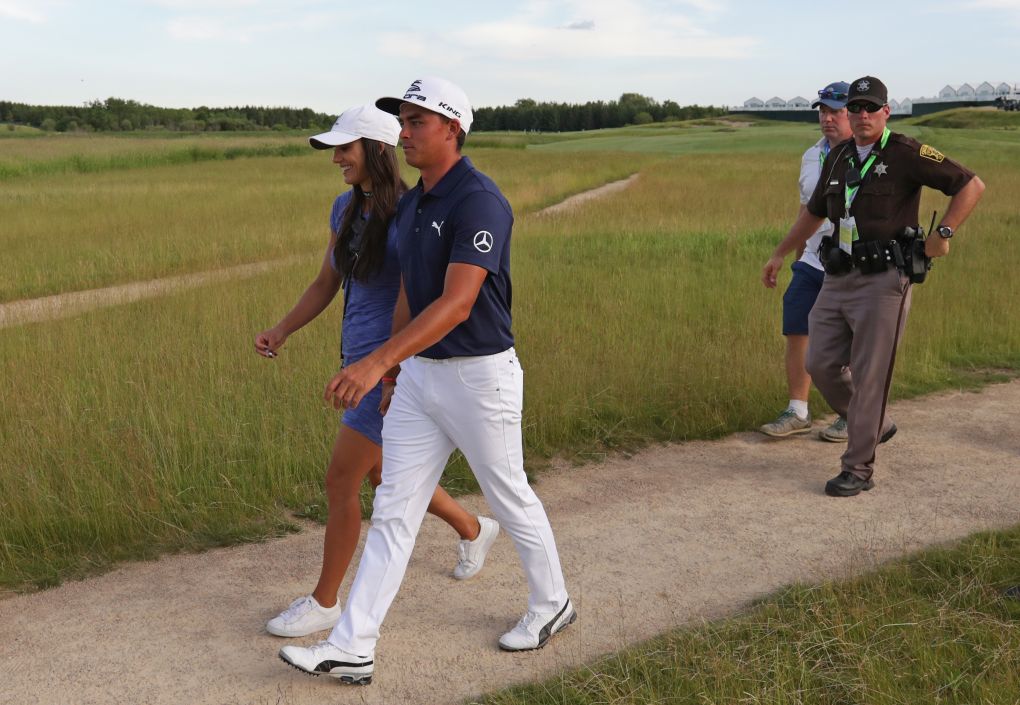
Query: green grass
[[58, 154], [116, 226], [686, 138], [522, 140], [8, 129], [661, 283], [970, 119], [640, 317], [934, 628]]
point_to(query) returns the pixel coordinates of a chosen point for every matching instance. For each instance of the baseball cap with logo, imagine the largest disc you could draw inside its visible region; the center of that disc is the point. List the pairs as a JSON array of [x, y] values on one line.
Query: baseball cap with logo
[[435, 94], [868, 90], [362, 121], [833, 95]]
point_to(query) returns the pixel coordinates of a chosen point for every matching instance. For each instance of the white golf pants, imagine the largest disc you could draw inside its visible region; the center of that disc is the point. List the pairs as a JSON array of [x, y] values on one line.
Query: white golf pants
[[471, 403]]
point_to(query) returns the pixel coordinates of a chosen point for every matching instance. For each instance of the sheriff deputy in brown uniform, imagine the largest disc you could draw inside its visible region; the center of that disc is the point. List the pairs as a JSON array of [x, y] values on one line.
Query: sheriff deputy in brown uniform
[[870, 188]]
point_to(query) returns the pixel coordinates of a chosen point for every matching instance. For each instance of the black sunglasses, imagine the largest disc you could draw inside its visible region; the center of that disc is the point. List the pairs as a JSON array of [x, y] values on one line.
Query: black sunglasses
[[867, 107], [832, 95]]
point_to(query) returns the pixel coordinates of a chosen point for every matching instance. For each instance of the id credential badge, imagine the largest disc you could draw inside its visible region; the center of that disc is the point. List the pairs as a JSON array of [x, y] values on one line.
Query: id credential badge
[[847, 233]]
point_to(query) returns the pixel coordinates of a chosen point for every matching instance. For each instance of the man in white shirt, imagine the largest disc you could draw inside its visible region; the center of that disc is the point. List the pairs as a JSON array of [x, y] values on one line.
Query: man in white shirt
[[808, 274]]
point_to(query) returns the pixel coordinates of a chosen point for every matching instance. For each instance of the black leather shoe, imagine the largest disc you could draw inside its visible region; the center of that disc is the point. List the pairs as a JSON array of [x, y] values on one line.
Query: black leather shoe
[[888, 434], [846, 484]]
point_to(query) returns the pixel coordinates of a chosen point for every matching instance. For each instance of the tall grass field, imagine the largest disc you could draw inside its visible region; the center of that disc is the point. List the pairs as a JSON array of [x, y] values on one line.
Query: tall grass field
[[134, 430]]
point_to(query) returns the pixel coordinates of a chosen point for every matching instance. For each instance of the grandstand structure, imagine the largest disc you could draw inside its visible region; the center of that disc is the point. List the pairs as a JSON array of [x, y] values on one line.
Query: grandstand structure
[[965, 95]]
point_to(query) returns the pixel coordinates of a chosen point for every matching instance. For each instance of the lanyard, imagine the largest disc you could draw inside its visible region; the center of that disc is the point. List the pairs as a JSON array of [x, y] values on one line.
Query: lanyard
[[851, 193]]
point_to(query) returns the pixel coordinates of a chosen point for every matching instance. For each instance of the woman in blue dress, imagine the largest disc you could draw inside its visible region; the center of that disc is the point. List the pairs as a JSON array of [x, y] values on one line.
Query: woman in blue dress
[[362, 260]]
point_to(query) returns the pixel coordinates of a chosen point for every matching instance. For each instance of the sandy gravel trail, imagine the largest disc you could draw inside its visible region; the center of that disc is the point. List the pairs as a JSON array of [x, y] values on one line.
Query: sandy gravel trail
[[585, 196], [671, 535], [48, 308]]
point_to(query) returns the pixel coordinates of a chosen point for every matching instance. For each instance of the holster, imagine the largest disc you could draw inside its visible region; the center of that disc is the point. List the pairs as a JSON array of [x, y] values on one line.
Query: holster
[[835, 261]]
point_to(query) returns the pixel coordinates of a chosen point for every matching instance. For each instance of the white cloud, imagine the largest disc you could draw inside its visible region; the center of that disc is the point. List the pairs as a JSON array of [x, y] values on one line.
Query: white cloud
[[1009, 8], [402, 45], [1013, 5], [244, 27], [612, 29], [198, 29], [206, 5], [19, 10]]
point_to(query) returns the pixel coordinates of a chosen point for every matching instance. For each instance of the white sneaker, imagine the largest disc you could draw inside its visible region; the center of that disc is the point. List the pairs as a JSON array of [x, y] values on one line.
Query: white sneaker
[[333, 661], [534, 629], [471, 554], [304, 616]]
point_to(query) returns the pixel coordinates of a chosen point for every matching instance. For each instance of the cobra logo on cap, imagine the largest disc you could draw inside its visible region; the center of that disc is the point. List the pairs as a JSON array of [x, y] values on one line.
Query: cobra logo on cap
[[863, 85], [483, 241], [414, 91]]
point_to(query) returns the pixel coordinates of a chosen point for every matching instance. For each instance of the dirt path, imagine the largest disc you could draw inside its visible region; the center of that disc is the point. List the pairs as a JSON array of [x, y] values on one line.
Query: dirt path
[[48, 308], [585, 196], [672, 535]]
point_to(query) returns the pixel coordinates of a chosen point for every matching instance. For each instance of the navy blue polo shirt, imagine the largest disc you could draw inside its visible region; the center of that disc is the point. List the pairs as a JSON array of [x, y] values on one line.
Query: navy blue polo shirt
[[463, 219]]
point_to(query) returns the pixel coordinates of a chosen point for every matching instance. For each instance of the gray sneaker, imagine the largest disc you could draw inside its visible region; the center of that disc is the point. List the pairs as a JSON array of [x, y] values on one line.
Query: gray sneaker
[[788, 424], [836, 432]]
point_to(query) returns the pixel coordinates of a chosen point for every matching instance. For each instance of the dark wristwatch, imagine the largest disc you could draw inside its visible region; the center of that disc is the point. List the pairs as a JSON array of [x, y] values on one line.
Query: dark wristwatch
[[945, 232]]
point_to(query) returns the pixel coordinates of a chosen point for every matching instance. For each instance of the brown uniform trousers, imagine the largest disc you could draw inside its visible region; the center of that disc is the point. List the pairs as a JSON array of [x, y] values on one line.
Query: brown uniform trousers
[[857, 321]]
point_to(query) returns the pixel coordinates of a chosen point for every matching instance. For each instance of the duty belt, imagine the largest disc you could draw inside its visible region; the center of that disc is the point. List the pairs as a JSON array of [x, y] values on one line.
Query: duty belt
[[906, 253], [873, 256]]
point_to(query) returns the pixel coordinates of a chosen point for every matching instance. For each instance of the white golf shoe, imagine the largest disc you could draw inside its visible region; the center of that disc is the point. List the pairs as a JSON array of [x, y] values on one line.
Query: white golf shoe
[[535, 629], [304, 616], [324, 658], [471, 554]]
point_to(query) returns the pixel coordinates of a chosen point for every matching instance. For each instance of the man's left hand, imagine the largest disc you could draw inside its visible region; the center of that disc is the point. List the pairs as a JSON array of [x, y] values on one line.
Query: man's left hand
[[770, 272]]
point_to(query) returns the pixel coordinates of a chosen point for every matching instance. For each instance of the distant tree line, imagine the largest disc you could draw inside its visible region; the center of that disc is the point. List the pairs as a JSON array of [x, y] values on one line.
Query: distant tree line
[[114, 114], [630, 109]]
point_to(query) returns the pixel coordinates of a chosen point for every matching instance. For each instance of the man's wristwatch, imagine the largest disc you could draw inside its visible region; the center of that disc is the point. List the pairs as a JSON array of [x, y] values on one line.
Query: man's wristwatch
[[945, 232]]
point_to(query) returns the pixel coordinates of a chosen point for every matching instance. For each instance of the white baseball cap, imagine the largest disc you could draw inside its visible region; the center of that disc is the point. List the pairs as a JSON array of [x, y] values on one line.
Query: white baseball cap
[[362, 121], [436, 94]]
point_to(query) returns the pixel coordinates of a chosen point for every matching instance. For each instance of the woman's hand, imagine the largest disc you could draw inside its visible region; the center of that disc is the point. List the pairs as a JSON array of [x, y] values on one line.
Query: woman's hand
[[269, 341]]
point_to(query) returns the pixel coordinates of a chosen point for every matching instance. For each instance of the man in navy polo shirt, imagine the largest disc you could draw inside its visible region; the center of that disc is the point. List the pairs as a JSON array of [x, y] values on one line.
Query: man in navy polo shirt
[[460, 386]]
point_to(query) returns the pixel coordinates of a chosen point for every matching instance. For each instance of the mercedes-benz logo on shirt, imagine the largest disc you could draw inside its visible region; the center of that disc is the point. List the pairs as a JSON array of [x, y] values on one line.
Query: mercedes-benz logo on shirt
[[483, 241]]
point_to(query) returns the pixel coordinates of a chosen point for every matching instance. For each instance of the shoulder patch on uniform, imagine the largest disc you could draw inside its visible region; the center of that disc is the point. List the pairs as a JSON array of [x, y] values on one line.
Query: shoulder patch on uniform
[[929, 152]]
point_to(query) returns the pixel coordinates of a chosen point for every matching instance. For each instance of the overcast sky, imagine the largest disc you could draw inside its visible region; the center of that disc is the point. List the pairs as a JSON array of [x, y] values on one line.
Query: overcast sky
[[330, 55]]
